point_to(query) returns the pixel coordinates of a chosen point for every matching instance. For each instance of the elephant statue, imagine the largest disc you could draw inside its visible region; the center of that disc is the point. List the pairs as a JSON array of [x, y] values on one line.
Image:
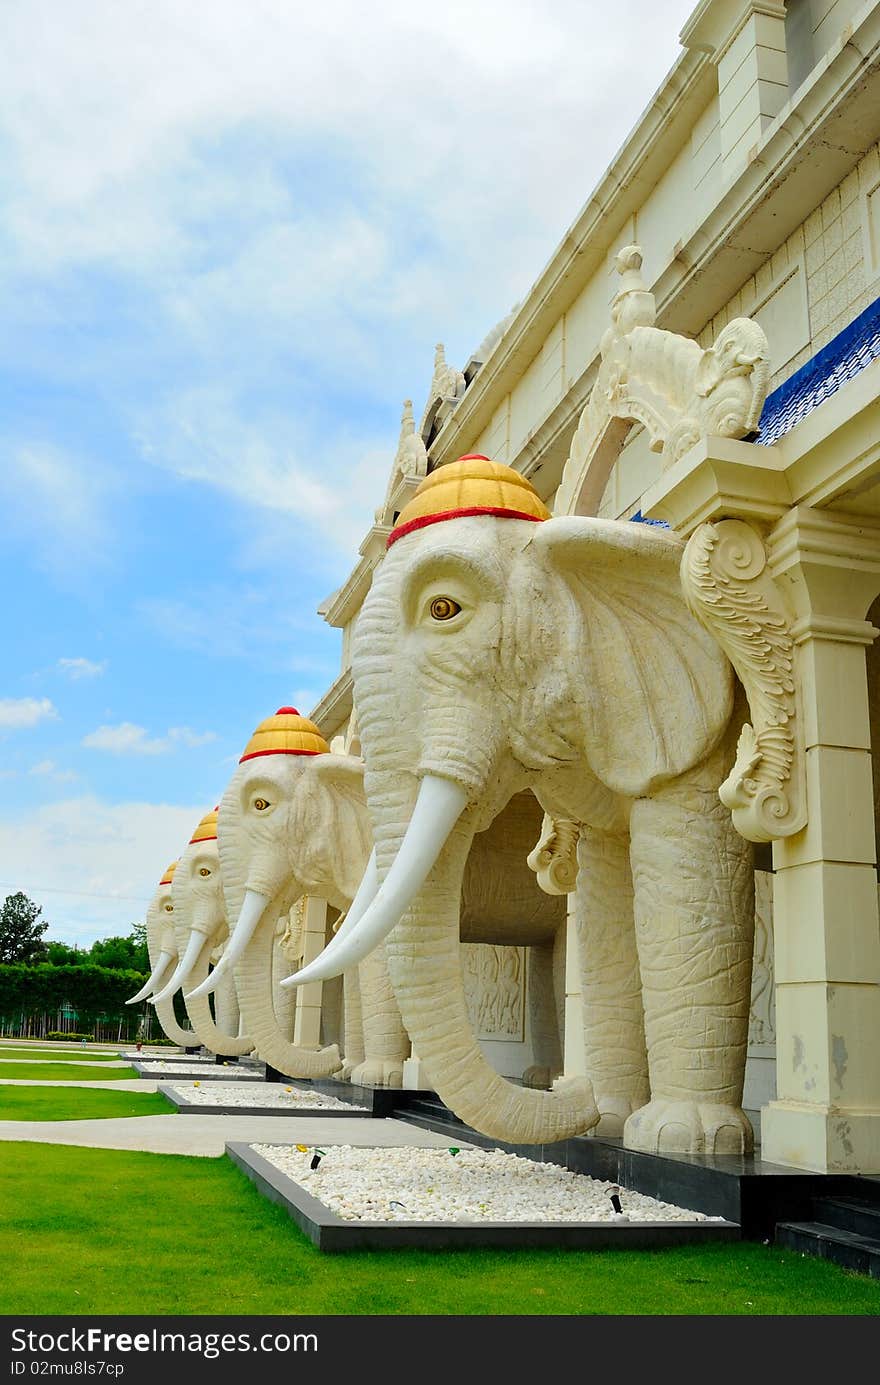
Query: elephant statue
[[500, 650], [162, 948], [294, 821], [200, 926]]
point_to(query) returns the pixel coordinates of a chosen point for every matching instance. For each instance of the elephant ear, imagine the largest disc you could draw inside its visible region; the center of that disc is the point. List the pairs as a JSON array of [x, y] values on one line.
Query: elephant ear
[[657, 690], [342, 816]]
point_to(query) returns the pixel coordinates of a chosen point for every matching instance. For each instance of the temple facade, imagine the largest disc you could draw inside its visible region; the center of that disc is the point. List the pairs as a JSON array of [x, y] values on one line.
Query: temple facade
[[701, 352]]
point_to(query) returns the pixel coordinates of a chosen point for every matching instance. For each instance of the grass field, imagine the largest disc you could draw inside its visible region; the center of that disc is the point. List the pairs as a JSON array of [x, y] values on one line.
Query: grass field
[[62, 1072], [78, 1104], [64, 1055], [103, 1231]]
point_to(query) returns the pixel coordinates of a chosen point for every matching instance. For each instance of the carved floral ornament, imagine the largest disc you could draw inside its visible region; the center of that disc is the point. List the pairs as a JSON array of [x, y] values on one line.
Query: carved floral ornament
[[726, 584], [669, 383]]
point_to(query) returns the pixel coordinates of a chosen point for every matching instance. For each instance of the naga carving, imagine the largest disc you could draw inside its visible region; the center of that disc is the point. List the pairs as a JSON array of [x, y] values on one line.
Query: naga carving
[[680, 391], [726, 584]]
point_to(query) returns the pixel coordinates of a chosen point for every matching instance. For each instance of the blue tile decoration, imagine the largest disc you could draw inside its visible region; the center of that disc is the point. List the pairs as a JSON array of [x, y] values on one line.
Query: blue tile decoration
[[841, 360]]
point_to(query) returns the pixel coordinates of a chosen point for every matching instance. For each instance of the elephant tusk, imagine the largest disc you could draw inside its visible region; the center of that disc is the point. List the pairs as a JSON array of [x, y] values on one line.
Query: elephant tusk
[[366, 893], [252, 908], [158, 969], [184, 967], [364, 896], [438, 807]]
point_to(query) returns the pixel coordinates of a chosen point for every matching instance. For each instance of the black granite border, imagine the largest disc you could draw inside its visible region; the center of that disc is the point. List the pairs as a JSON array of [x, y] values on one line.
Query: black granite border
[[329, 1232], [742, 1188], [194, 1108], [381, 1102]]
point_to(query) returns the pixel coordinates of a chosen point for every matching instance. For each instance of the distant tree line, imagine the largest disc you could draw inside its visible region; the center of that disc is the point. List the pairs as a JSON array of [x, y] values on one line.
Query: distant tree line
[[46, 986]]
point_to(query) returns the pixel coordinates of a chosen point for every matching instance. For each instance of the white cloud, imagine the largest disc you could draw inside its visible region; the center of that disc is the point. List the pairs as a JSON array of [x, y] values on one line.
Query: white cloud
[[21, 712], [49, 770], [129, 739], [92, 865], [182, 735], [296, 207], [82, 668], [124, 739], [58, 504]]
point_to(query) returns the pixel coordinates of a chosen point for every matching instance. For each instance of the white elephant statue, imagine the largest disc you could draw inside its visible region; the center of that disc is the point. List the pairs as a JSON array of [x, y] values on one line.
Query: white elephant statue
[[162, 949], [500, 649], [293, 821], [201, 929]]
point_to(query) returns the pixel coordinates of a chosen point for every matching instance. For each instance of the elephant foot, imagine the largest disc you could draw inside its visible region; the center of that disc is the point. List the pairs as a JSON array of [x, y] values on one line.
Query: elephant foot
[[378, 1072], [613, 1115], [538, 1076], [665, 1126]]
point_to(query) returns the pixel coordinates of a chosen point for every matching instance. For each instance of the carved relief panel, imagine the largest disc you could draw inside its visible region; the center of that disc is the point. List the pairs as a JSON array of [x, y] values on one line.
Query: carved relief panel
[[494, 987], [762, 1015]]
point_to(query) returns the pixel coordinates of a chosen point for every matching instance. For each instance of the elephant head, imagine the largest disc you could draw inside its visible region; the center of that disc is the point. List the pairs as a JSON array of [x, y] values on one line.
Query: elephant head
[[199, 914], [500, 649], [293, 822], [162, 947]]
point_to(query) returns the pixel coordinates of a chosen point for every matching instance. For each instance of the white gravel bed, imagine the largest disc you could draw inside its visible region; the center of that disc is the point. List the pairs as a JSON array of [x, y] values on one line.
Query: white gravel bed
[[156, 1054], [189, 1070], [474, 1185], [274, 1095]]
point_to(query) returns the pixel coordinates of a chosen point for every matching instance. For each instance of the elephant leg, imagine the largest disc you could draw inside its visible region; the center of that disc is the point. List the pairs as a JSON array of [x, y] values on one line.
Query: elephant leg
[[694, 907], [386, 1045], [353, 1021], [543, 1018], [614, 1033]]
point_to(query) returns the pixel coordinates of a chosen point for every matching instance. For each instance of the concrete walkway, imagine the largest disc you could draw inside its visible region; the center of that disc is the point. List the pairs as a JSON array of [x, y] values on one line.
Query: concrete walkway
[[125, 1084], [207, 1135]]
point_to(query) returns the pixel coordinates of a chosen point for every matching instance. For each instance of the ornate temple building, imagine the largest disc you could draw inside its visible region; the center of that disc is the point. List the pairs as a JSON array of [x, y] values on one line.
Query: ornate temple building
[[702, 352]]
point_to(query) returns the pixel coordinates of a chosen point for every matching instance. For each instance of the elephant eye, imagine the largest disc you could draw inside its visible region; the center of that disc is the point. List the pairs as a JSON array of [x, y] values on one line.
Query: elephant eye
[[261, 804], [169, 908], [204, 872], [444, 608]]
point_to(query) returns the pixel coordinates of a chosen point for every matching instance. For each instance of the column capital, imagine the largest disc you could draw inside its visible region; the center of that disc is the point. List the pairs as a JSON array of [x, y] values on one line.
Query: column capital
[[715, 24], [827, 565]]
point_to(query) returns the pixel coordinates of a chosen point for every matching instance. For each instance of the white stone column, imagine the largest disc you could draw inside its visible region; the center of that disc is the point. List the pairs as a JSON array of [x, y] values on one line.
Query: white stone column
[[827, 937], [307, 1025], [746, 41], [574, 1059]]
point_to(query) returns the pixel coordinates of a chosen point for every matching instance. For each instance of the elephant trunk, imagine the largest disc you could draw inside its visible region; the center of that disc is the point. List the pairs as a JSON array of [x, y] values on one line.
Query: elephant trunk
[[254, 979], [423, 953], [186, 1038], [199, 1011]]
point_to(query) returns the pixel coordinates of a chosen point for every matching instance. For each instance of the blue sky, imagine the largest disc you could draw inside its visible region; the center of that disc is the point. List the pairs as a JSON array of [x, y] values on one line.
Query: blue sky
[[231, 235]]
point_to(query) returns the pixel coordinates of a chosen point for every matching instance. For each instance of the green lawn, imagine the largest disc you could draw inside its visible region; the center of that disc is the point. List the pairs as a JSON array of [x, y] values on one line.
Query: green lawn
[[63, 1055], [103, 1231], [62, 1072], [78, 1104]]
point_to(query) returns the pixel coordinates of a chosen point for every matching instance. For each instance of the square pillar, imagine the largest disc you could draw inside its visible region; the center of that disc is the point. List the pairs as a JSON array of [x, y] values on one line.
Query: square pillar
[[746, 42], [307, 1024], [827, 934], [574, 1057]]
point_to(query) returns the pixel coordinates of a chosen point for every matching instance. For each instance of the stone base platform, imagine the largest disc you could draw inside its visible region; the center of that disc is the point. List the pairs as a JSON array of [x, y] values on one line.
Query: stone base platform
[[331, 1233]]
